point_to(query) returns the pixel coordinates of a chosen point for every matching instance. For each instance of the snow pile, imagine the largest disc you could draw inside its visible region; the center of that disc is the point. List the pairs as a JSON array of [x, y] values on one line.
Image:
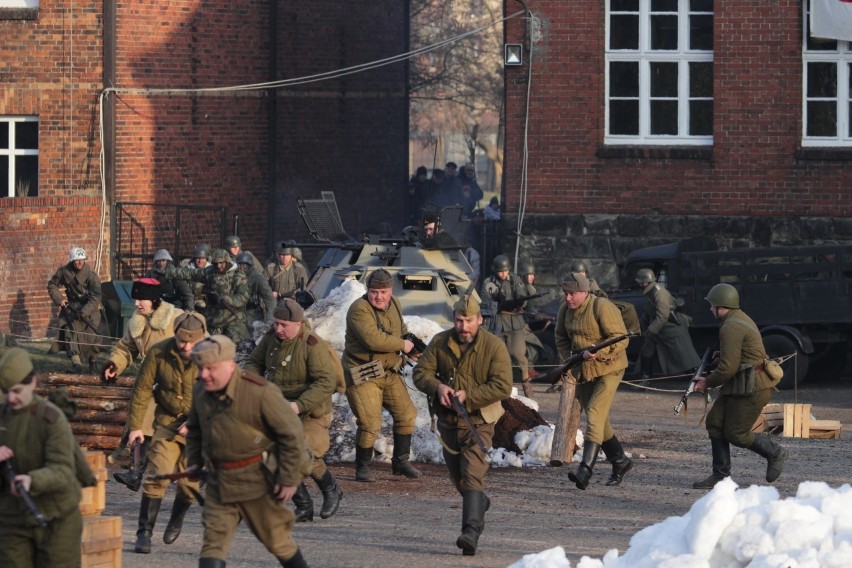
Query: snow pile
[[737, 528]]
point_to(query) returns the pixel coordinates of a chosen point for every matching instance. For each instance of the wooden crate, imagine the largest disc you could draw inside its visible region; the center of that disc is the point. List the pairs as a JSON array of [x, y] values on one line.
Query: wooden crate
[[795, 421], [771, 420], [101, 542], [93, 500]]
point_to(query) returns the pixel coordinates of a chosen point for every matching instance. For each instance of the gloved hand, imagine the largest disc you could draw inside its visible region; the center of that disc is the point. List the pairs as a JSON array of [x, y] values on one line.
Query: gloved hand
[[108, 372]]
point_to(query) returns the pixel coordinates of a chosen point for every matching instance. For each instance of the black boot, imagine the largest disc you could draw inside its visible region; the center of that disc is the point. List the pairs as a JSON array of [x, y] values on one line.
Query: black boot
[[304, 504], [774, 453], [400, 464], [179, 508], [474, 505], [132, 478], [584, 470], [331, 495], [721, 449], [363, 457], [621, 464], [298, 561], [210, 563], [148, 511]]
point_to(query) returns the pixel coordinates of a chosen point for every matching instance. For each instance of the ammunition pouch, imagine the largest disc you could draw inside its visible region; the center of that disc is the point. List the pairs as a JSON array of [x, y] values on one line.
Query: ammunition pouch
[[743, 382], [366, 372]]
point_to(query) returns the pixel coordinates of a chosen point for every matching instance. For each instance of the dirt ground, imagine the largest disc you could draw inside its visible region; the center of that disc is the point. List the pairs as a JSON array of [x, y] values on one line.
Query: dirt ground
[[415, 523]]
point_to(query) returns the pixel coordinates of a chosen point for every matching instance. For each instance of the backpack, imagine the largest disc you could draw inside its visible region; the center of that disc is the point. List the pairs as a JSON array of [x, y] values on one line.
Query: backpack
[[628, 314]]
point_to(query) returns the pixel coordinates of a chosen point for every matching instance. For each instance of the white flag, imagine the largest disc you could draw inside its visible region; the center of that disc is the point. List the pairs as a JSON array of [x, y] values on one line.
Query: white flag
[[831, 19]]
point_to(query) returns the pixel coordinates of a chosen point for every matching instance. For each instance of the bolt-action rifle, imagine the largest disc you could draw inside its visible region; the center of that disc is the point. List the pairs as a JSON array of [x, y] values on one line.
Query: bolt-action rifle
[[24, 494], [699, 372], [516, 303], [459, 408], [555, 375]]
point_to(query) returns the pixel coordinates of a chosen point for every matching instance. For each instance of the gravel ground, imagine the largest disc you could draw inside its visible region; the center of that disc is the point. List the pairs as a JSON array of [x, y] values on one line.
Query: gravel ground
[[415, 523]]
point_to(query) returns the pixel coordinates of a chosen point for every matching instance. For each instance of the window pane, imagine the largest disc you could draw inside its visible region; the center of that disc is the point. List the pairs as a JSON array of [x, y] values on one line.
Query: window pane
[[624, 79], [4, 137], [26, 135], [700, 79], [664, 79], [822, 80], [663, 117], [624, 117], [701, 33], [4, 175], [822, 118], [818, 44], [664, 5], [624, 32], [26, 176], [700, 118], [664, 32], [624, 6], [701, 5]]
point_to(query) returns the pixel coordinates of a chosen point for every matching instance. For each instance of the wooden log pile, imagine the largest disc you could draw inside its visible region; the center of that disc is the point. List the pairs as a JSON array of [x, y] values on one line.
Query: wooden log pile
[[102, 408]]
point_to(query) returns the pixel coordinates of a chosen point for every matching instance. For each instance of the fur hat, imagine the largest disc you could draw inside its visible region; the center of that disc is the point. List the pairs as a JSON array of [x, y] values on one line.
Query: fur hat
[[213, 349], [289, 310], [15, 366], [146, 289], [190, 327], [380, 278], [575, 282]]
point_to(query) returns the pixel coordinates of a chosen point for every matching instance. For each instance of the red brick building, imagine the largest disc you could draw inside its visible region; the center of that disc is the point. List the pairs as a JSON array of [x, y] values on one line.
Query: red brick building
[[650, 121], [184, 159]]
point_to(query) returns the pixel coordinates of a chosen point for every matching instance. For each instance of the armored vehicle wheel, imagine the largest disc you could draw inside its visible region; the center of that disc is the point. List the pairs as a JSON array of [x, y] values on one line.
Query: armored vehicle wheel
[[795, 368]]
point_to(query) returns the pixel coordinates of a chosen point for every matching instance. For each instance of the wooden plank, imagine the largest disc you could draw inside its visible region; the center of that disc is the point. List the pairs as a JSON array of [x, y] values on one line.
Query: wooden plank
[[788, 421], [825, 425], [806, 419], [564, 438], [759, 424]]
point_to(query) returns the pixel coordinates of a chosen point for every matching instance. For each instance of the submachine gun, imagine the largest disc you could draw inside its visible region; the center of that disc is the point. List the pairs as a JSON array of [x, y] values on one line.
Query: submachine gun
[[418, 349], [699, 372], [516, 303], [24, 494]]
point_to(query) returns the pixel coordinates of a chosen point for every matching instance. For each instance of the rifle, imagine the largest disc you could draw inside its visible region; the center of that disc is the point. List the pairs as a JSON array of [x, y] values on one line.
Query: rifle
[[464, 415], [702, 368], [516, 303], [25, 495], [79, 315], [578, 357], [200, 474]]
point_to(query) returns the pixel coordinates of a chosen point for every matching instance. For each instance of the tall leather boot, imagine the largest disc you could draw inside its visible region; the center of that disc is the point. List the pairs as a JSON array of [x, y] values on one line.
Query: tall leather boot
[[474, 505], [721, 449], [621, 464], [363, 457], [526, 384], [400, 462], [331, 495], [132, 478], [148, 511], [179, 508], [304, 505], [584, 470], [297, 561], [211, 563], [774, 453]]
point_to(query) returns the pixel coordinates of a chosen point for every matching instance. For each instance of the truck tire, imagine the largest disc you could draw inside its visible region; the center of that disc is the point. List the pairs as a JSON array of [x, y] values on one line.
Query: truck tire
[[795, 368]]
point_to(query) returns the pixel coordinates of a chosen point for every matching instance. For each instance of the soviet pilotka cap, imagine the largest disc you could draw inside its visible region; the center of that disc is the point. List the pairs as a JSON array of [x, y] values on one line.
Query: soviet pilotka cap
[[190, 327], [467, 305], [15, 366], [575, 282], [214, 349], [380, 278]]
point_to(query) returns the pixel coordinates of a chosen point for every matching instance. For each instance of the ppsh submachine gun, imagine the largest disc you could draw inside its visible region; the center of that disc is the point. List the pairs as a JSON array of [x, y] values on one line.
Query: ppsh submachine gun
[[411, 357], [699, 372], [24, 494]]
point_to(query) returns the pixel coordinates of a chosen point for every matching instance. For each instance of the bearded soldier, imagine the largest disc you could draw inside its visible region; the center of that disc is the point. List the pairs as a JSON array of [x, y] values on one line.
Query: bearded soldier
[[167, 375], [79, 309], [472, 365], [371, 363], [307, 370]]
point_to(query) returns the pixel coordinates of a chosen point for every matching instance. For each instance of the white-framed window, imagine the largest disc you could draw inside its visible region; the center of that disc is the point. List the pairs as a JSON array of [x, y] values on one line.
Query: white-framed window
[[19, 155], [659, 72], [826, 89]]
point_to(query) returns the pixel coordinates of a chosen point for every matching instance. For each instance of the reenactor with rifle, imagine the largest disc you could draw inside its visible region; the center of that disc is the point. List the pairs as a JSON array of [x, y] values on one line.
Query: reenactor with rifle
[[226, 291], [286, 275], [234, 245], [466, 371], [261, 302], [40, 520], [507, 293], [176, 292], [583, 321], [167, 377], [308, 371], [372, 367], [79, 310]]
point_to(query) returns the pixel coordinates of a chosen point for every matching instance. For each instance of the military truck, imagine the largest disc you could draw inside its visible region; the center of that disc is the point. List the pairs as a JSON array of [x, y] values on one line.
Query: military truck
[[799, 296]]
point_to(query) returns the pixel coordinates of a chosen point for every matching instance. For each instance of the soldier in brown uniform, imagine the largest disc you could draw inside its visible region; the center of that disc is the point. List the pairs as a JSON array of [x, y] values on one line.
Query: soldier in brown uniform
[[286, 276], [79, 316], [373, 342], [583, 321], [167, 376], [308, 371], [746, 389], [473, 365], [36, 440], [247, 436]]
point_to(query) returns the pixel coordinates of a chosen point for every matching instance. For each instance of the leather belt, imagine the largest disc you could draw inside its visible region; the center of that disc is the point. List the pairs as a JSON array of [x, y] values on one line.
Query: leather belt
[[239, 463], [758, 368]]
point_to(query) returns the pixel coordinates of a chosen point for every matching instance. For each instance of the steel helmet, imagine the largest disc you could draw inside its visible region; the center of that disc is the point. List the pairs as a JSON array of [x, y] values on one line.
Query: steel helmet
[[233, 241], [526, 267], [500, 263], [201, 251], [77, 253], [644, 275], [297, 253], [220, 255], [579, 266], [723, 295], [244, 258], [162, 254], [286, 249]]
